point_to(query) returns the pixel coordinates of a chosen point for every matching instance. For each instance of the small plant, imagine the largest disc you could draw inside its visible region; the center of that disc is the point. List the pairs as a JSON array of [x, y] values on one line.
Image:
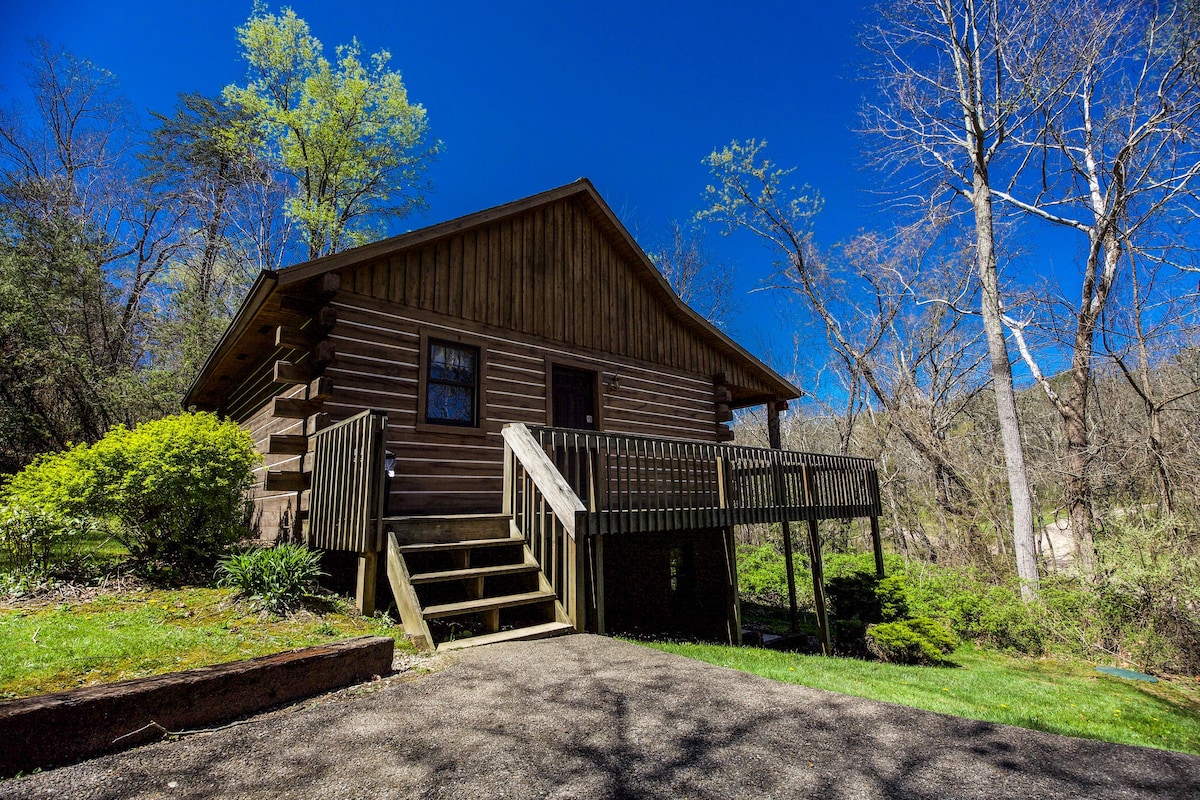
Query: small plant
[[920, 640], [33, 542], [278, 578]]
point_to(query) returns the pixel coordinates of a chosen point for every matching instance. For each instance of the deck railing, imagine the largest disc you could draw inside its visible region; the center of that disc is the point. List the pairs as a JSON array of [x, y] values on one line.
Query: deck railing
[[546, 510], [345, 507], [641, 483]]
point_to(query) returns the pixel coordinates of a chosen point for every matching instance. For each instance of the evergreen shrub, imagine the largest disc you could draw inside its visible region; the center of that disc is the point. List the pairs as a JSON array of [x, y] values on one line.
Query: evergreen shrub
[[919, 640]]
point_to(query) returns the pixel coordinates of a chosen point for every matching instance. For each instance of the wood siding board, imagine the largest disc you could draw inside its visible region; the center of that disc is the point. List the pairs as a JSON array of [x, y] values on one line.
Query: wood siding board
[[455, 286], [441, 285], [428, 278]]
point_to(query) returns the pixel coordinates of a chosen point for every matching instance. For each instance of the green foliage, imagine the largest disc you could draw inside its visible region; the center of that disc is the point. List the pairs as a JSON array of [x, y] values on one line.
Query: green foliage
[[277, 578], [33, 542], [172, 489], [978, 610], [920, 640], [345, 132], [762, 576]]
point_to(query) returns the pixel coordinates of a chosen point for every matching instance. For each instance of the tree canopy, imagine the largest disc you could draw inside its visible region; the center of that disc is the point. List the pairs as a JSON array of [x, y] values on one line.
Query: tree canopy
[[353, 148]]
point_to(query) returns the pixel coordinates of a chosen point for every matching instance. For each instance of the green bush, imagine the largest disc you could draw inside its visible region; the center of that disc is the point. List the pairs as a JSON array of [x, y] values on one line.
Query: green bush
[[172, 489], [277, 578], [920, 640], [986, 613]]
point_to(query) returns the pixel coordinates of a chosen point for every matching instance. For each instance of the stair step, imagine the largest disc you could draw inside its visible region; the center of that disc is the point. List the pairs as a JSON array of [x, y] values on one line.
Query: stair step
[[469, 544], [543, 631], [487, 604], [473, 572], [449, 528]]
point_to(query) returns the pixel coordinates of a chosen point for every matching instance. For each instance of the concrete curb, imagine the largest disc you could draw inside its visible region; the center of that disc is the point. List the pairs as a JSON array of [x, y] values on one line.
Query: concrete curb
[[54, 729]]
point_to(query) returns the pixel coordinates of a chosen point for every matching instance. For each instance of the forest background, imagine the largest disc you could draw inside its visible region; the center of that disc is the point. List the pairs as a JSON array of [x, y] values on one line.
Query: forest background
[[1036, 426]]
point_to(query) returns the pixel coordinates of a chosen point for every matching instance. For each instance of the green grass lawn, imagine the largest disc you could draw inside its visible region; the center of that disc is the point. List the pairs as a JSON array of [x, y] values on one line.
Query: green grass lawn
[[150, 632], [1047, 695]]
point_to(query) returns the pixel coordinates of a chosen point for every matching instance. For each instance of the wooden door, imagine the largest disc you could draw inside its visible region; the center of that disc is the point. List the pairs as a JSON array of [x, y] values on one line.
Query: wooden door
[[574, 393]]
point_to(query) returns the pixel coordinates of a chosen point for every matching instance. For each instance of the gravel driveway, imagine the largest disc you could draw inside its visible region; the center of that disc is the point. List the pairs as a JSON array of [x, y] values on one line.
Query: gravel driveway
[[589, 717]]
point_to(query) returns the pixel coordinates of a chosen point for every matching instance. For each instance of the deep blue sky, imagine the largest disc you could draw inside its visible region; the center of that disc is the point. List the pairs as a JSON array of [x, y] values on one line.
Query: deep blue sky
[[530, 96]]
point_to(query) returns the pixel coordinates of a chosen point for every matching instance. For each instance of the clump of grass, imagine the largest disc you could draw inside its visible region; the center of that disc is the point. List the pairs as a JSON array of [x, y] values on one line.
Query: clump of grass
[[1058, 696], [278, 579]]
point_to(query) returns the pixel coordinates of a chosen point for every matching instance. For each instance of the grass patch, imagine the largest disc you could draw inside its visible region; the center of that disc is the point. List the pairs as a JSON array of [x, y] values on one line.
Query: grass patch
[[1065, 697], [153, 631]]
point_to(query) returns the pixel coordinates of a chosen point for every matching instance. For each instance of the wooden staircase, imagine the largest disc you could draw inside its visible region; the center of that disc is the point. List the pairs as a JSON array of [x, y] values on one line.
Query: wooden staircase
[[469, 580]]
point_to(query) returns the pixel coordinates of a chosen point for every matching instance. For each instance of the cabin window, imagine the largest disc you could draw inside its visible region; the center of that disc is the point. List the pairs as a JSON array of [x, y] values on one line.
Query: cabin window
[[452, 384]]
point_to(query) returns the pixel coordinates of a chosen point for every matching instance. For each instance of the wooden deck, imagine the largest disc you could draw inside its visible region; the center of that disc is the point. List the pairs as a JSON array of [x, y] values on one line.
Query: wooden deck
[[564, 492]]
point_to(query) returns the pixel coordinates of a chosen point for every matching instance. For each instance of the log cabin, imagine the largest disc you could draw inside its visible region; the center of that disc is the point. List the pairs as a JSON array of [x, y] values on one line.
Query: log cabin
[[514, 419]]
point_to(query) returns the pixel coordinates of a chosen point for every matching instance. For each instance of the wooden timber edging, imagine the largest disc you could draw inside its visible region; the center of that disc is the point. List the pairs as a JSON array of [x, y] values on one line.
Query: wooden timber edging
[[55, 729]]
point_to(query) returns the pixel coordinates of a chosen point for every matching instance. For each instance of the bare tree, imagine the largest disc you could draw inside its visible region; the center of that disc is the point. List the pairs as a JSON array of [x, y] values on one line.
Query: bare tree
[[945, 106], [1112, 153], [862, 303], [84, 245], [700, 281]]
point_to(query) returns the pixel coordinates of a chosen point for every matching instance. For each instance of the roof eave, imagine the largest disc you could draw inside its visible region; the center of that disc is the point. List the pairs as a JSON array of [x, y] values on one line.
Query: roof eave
[[262, 288]]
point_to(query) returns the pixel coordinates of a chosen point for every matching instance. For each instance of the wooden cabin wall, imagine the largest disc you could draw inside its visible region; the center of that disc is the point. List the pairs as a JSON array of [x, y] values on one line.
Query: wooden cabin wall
[[377, 366], [550, 273], [550, 285]]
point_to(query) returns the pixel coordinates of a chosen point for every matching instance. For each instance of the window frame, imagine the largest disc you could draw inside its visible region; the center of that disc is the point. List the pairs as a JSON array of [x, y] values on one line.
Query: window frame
[[450, 338]]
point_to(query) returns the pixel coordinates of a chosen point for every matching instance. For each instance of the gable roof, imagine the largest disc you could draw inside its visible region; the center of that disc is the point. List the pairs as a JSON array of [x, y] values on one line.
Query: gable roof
[[260, 311]]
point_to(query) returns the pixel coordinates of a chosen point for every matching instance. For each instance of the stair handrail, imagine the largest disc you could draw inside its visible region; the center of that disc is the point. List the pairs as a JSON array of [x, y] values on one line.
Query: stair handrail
[[541, 470], [533, 486]]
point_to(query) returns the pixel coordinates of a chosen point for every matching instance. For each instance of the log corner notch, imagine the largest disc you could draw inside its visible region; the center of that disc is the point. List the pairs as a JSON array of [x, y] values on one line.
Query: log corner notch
[[308, 338], [722, 398]]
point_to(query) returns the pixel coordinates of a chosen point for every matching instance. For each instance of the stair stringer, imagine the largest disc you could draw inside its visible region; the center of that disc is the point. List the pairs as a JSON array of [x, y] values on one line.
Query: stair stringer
[[411, 615]]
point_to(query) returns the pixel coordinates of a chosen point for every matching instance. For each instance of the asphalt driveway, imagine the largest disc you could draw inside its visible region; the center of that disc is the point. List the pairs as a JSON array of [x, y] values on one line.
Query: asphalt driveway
[[589, 717]]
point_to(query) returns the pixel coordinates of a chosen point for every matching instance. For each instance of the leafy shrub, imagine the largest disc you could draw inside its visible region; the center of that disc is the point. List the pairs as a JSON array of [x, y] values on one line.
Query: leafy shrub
[[986, 613], [172, 488], [277, 578], [920, 640]]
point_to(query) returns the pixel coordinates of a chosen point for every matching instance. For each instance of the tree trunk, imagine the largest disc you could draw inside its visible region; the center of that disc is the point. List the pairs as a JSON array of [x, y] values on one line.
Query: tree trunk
[[1077, 458], [1024, 542]]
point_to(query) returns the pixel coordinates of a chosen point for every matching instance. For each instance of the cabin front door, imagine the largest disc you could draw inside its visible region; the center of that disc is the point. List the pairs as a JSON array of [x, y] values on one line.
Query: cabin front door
[[574, 393]]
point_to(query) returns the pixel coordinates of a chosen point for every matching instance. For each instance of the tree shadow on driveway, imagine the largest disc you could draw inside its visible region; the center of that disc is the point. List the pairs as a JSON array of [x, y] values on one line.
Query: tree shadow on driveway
[[589, 717]]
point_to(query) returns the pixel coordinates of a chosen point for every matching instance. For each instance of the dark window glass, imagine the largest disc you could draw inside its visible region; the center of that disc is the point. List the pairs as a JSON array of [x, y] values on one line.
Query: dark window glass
[[452, 387]]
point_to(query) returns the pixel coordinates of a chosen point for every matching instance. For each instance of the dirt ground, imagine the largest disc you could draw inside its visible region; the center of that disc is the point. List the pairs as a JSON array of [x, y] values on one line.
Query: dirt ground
[[590, 717]]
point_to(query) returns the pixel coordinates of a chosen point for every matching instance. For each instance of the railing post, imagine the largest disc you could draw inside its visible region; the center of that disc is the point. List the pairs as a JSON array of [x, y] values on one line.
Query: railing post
[[506, 503]]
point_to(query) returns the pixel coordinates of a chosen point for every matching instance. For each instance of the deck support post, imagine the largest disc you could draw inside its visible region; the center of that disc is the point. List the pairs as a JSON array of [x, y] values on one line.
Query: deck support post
[[598, 580], [818, 576], [877, 545], [734, 609], [776, 442], [364, 587]]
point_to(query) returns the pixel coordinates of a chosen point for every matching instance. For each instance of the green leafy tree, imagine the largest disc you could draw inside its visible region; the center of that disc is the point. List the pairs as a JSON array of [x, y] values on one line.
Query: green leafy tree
[[352, 146]]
